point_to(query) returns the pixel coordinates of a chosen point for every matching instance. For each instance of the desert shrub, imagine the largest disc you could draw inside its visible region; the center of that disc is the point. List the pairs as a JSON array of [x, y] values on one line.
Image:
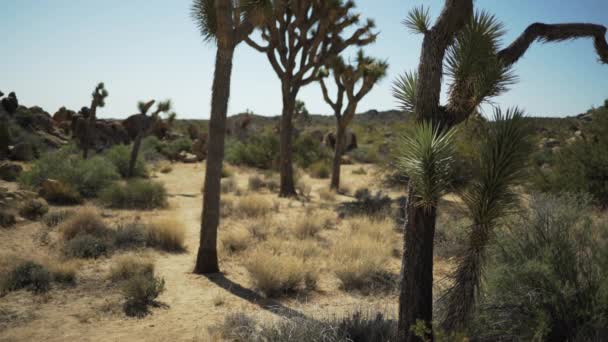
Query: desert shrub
[[131, 235], [308, 226], [86, 246], [276, 275], [128, 266], [226, 207], [327, 195], [166, 168], [150, 149], [252, 206], [358, 327], [365, 154], [359, 171], [136, 194], [259, 229], [26, 275], [62, 272], [320, 169], [580, 167], [260, 151], [87, 176], [86, 221], [548, 275], [140, 293], [228, 185], [173, 148], [7, 219], [167, 234], [62, 194], [227, 171], [235, 240], [378, 205], [120, 156], [307, 151], [256, 183], [53, 219], [34, 209]]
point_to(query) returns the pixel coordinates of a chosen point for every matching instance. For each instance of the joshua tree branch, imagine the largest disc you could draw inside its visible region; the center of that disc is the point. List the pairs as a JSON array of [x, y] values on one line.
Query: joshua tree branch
[[255, 45], [556, 33]]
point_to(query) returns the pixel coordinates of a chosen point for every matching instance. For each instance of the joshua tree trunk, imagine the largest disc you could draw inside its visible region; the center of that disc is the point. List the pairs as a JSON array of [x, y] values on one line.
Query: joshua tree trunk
[[206, 261], [134, 154], [286, 163], [416, 293], [339, 151]]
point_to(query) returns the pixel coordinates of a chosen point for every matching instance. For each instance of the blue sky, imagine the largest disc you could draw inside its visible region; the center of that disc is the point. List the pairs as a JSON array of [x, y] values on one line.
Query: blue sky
[[55, 51]]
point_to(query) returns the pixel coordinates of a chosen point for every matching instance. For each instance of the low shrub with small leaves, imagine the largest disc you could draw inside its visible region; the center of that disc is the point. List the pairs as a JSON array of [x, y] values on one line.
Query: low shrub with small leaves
[[86, 246], [260, 151], [53, 219], [26, 275], [131, 235], [34, 209], [167, 234], [276, 275], [136, 194], [120, 156], [320, 169], [128, 266], [140, 292]]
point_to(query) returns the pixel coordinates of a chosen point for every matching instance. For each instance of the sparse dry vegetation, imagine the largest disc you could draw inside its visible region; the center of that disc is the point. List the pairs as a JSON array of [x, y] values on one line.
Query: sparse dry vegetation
[[167, 235]]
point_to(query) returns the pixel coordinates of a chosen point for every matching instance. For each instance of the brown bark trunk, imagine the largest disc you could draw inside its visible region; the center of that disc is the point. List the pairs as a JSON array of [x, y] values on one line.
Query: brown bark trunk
[[416, 293], [339, 151], [288, 188], [134, 154], [207, 261]]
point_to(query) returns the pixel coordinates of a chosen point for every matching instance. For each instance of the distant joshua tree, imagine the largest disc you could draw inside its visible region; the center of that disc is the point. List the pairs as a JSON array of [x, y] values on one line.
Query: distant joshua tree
[[463, 48], [144, 123], [87, 136], [364, 75], [225, 23], [299, 38]]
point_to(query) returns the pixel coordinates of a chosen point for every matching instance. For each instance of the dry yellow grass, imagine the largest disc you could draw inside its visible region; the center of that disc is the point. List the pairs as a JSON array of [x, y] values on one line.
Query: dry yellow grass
[[129, 265], [327, 195], [310, 224], [278, 274], [253, 206], [84, 221], [167, 234], [235, 240]]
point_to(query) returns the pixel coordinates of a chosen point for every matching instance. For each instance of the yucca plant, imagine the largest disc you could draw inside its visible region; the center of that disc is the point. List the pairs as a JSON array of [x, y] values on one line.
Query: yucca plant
[[353, 83], [226, 23], [86, 136], [503, 153], [477, 69]]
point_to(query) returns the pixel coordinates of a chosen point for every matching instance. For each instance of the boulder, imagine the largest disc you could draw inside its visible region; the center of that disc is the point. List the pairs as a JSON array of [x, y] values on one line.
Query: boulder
[[187, 158], [7, 218], [10, 103], [10, 171], [23, 151], [63, 115], [199, 147], [551, 143]]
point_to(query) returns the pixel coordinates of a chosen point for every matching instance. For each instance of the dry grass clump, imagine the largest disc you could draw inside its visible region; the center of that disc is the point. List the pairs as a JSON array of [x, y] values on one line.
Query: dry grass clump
[[362, 258], [253, 206], [84, 221], [256, 183], [62, 271], [310, 224], [228, 185], [54, 218], [167, 234], [260, 228], [226, 206], [327, 195], [127, 266], [306, 250], [235, 240], [280, 274], [34, 209]]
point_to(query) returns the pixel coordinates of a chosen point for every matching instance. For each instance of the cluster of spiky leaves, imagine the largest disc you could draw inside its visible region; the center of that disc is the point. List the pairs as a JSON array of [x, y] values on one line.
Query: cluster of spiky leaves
[[476, 72], [404, 91], [99, 95], [503, 153], [418, 20], [426, 157]]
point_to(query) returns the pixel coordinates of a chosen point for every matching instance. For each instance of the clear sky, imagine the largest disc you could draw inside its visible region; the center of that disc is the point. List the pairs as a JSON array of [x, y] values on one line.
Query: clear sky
[[53, 52]]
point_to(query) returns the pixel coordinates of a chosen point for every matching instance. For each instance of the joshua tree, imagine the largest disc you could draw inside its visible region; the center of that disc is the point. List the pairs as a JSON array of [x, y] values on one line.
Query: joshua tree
[[143, 124], [99, 100], [299, 38], [477, 70], [301, 113], [219, 21], [364, 75]]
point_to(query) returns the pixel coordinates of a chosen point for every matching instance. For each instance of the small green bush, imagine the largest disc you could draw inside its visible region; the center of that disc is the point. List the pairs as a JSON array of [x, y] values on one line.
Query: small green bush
[[140, 293], [87, 176], [135, 194], [27, 275], [120, 156], [86, 246], [172, 149], [260, 151], [34, 209], [150, 148], [131, 235], [320, 169], [307, 151]]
